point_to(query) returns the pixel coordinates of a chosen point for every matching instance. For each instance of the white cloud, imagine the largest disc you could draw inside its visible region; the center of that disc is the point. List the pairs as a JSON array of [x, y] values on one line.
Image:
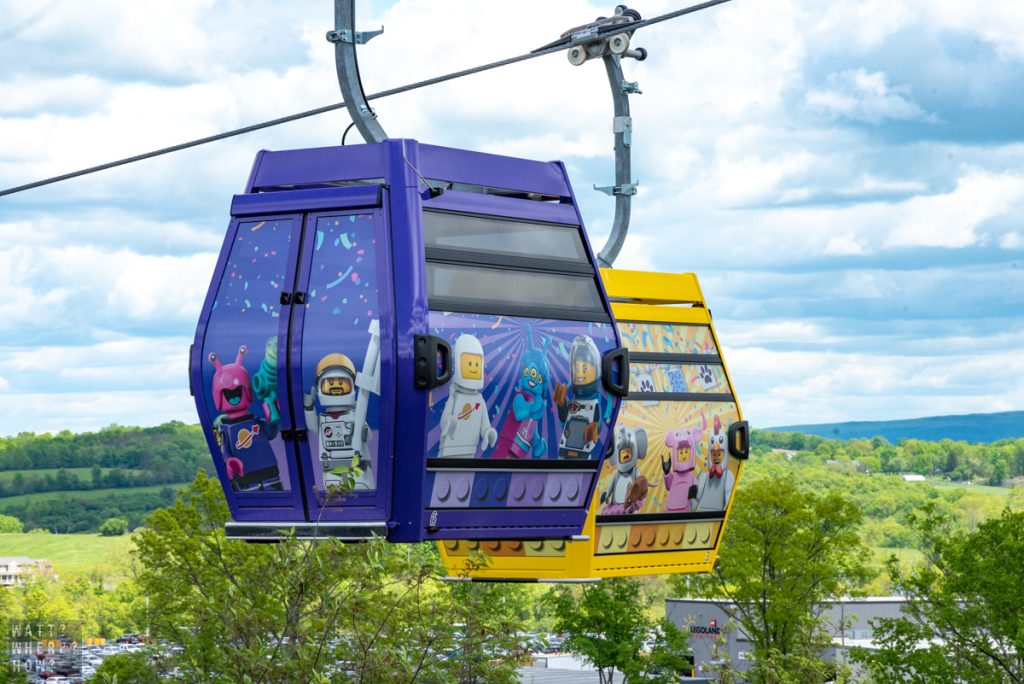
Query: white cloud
[[844, 245], [795, 387], [1014, 240], [952, 219], [867, 97], [60, 288]]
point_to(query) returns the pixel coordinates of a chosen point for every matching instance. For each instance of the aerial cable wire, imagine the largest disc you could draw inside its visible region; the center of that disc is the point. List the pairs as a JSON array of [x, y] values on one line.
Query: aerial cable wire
[[557, 46]]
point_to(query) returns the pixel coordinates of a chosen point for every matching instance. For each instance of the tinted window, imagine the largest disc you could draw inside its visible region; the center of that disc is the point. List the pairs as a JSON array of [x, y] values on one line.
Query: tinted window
[[503, 236], [483, 286]]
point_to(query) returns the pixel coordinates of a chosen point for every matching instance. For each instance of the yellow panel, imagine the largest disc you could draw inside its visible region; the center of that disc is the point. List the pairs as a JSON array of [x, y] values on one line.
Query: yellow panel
[[646, 546], [645, 287]]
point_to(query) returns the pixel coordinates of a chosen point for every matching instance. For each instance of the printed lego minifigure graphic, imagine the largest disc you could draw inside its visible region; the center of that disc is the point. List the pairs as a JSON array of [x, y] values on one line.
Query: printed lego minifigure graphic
[[340, 423], [679, 469], [715, 485], [627, 491], [341, 358], [520, 435], [244, 439], [465, 425], [580, 412], [522, 361]]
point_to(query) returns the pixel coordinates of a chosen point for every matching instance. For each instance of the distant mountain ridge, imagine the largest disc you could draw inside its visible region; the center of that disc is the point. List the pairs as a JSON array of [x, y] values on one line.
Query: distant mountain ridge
[[972, 427]]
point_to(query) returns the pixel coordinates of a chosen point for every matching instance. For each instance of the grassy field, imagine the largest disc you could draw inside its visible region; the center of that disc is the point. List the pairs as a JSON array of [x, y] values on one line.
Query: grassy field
[[87, 494], [969, 488], [73, 554], [84, 474]]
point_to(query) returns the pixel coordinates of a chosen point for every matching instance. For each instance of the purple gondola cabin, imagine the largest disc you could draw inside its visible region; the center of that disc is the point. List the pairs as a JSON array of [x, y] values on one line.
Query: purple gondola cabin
[[409, 341]]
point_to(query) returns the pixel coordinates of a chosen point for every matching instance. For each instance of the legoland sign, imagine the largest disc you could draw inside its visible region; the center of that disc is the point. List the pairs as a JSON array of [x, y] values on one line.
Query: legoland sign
[[709, 631]]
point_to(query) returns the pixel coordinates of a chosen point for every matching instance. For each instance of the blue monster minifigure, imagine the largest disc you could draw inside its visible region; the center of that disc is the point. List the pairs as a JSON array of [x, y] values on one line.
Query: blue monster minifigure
[[520, 435]]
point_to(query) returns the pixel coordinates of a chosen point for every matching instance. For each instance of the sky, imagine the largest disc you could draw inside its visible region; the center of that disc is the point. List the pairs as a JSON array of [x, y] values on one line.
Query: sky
[[846, 178]]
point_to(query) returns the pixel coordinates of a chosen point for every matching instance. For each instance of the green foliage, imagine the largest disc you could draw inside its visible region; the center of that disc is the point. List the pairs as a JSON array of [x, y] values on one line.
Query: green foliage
[[85, 511], [71, 466], [311, 611], [127, 668], [607, 624], [114, 527], [964, 616], [787, 550], [9, 524], [958, 461]]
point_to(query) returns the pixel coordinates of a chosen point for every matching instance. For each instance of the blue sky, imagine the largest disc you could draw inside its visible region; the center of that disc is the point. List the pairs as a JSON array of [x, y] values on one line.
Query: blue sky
[[846, 179]]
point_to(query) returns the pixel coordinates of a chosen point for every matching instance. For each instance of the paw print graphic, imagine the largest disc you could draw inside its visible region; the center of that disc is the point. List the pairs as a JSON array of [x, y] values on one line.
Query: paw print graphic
[[707, 376]]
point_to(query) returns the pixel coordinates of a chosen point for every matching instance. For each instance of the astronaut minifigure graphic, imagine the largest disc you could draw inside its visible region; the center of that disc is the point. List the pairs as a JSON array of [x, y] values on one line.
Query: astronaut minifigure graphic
[[581, 413], [716, 483], [244, 439], [340, 424], [465, 425], [628, 489]]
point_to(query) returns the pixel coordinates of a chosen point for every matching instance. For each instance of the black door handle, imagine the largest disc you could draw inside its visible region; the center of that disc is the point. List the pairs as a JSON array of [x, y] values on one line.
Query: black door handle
[[433, 362], [739, 440], [616, 359]]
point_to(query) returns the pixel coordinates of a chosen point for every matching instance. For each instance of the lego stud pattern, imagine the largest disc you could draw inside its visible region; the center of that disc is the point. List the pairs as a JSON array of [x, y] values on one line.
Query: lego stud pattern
[[698, 535], [468, 489]]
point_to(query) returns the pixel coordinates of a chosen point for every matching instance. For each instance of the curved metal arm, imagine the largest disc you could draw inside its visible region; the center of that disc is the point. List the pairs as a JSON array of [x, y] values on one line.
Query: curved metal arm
[[624, 188], [345, 39]]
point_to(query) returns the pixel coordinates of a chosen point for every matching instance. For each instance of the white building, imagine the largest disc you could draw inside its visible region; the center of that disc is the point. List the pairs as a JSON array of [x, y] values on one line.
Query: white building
[[15, 570], [714, 636]]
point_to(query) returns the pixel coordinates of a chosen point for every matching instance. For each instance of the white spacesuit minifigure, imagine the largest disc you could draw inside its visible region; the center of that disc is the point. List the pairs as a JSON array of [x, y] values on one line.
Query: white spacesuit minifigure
[[342, 431], [715, 485], [465, 425]]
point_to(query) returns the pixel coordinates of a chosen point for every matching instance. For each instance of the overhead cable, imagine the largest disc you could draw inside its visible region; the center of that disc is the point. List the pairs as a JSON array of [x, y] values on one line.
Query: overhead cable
[[546, 50]]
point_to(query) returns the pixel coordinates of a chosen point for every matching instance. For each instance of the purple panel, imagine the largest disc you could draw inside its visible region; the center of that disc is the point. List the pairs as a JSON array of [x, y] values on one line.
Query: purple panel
[[452, 489], [344, 324], [306, 200], [567, 489], [237, 388], [523, 523], [296, 168], [493, 171], [526, 489], [408, 514], [492, 205]]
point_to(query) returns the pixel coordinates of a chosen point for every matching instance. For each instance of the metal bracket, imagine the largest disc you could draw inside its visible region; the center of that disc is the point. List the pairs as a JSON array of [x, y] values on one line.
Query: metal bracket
[[630, 87], [625, 189], [624, 125], [345, 36]]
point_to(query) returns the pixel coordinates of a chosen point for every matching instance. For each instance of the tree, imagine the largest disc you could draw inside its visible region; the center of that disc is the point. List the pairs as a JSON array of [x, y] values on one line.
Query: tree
[[964, 616], [607, 626], [114, 527], [127, 668], [298, 610], [786, 551], [999, 472], [9, 524]]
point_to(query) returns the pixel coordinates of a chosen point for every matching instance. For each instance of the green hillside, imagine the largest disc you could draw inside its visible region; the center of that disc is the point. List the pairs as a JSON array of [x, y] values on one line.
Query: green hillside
[[974, 428], [68, 496], [7, 476], [73, 482], [74, 554]]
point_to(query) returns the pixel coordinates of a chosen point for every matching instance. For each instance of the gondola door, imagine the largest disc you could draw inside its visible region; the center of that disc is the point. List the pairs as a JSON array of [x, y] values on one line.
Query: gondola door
[[342, 369]]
